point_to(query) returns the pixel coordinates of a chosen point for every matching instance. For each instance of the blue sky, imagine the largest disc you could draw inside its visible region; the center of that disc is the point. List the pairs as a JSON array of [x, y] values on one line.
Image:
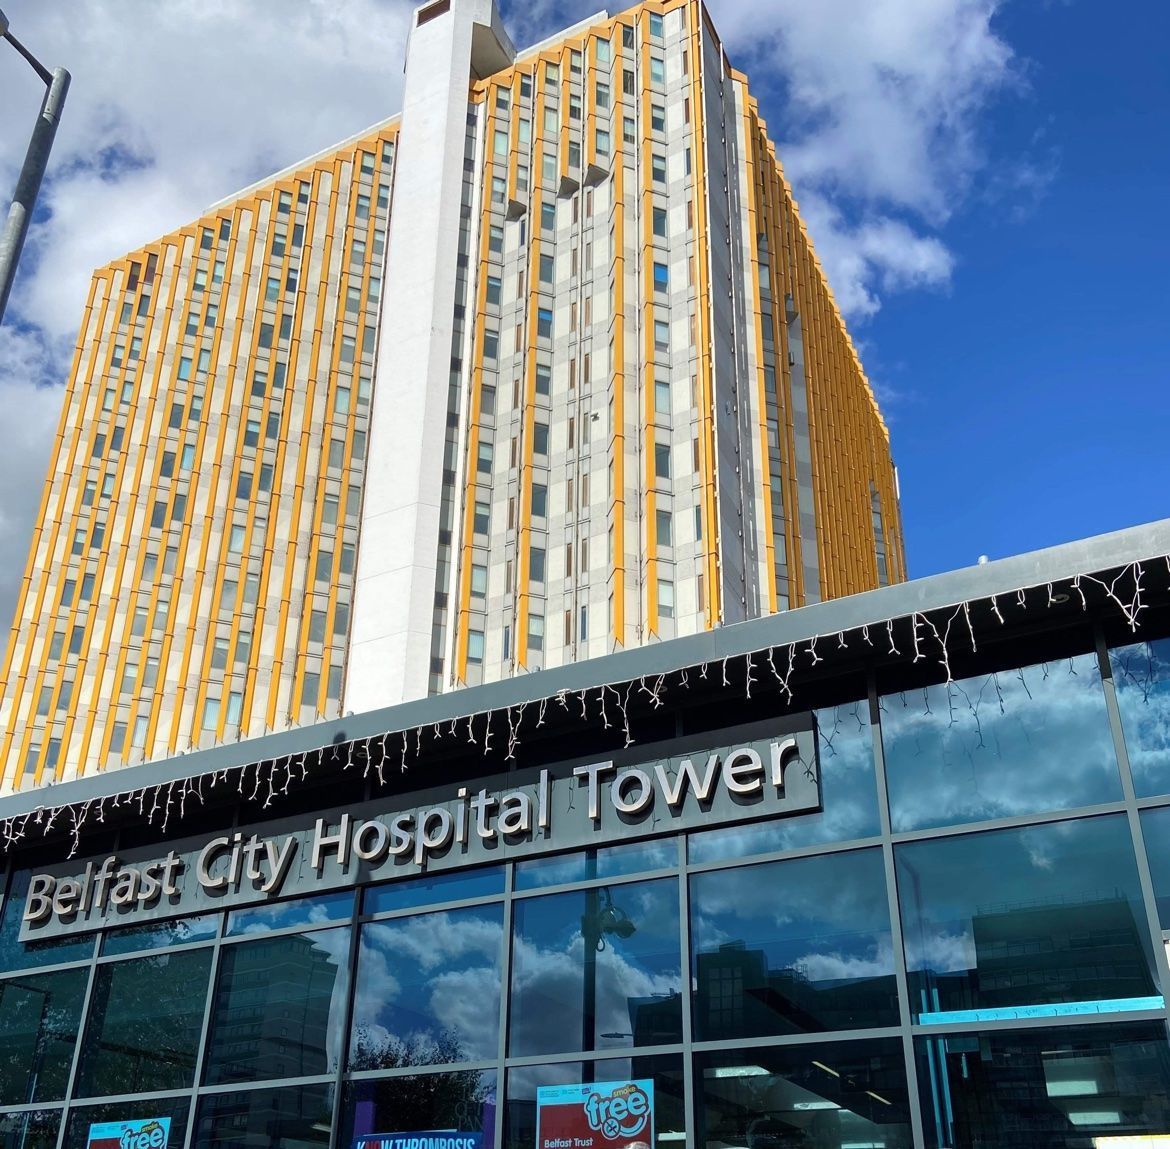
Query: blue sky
[[984, 180], [1030, 400]]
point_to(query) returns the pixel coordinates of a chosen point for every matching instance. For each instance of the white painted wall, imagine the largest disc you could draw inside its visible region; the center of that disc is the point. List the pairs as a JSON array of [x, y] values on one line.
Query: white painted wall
[[390, 637]]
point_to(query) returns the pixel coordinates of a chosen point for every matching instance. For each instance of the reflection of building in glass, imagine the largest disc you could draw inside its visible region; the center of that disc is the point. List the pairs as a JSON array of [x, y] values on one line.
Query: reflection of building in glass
[[738, 995], [1083, 949], [274, 1011]]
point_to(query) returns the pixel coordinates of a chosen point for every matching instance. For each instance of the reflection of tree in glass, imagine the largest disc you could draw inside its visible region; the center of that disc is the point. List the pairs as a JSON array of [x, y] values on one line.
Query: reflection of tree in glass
[[374, 1050], [39, 1018], [144, 1024]]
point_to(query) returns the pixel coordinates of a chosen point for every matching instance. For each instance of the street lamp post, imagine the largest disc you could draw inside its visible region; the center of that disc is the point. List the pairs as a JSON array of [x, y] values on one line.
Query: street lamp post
[[28, 185]]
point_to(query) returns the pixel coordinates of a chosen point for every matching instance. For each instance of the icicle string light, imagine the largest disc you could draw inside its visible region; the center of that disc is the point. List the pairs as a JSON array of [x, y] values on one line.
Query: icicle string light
[[933, 634]]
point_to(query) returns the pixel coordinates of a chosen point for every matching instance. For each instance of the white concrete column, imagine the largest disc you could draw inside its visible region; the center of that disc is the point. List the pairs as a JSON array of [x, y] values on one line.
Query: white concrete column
[[451, 43]]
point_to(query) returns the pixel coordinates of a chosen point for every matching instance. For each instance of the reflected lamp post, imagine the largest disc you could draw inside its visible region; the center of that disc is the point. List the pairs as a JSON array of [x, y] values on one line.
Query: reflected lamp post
[[28, 184], [601, 918]]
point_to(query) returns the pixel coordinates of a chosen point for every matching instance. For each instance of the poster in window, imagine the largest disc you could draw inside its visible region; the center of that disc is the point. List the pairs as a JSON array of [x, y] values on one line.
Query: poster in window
[[595, 1115], [420, 1139], [147, 1133]]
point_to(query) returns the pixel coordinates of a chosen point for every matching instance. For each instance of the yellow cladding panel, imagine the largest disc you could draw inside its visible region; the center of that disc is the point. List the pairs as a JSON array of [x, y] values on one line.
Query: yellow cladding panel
[[106, 473]]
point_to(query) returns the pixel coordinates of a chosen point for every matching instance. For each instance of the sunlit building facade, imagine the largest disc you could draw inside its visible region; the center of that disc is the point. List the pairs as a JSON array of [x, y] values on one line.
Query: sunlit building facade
[[543, 368]]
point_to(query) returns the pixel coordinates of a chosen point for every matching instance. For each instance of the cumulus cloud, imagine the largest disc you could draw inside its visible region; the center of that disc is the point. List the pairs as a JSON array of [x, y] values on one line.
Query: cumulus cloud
[[882, 104]]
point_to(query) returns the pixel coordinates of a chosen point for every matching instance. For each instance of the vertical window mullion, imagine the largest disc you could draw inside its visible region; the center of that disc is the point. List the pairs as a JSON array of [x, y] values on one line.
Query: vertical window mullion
[[900, 975], [1145, 876]]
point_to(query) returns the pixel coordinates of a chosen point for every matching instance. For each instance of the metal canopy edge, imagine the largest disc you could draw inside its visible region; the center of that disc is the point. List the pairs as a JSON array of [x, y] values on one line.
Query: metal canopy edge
[[1106, 552]]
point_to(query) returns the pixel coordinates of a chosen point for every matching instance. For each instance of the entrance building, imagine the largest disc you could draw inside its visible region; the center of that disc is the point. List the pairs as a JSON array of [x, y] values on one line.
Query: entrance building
[[891, 870]]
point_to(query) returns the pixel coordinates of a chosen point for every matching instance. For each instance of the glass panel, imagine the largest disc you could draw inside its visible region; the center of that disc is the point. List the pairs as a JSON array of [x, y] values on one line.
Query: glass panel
[[1102, 1086], [611, 862], [834, 1095], [669, 1111], [434, 889], [1042, 921], [597, 969], [1156, 833], [1017, 742], [317, 910], [845, 748], [144, 1024], [812, 948], [296, 1118], [428, 990], [15, 954], [463, 1102], [32, 1130], [166, 1111], [279, 1007], [39, 1020], [1142, 675], [159, 935]]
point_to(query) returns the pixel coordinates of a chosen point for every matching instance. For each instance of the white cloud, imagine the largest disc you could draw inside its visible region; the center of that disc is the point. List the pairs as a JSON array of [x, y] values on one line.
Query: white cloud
[[875, 257], [881, 105]]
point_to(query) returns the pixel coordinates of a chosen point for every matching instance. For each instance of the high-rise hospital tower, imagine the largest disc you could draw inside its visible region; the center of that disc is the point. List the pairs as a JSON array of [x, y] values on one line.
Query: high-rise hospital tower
[[540, 368]]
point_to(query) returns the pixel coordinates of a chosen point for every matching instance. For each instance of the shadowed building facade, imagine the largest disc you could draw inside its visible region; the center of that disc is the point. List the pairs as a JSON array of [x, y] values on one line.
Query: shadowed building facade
[[543, 368]]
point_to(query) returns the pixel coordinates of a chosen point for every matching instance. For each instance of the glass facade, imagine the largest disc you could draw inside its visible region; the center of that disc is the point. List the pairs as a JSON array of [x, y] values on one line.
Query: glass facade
[[965, 947]]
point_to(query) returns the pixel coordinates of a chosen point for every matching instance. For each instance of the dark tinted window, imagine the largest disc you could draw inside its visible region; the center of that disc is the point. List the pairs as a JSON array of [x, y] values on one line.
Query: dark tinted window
[[278, 1007], [30, 1130], [40, 1015], [792, 947], [1048, 917], [463, 1102], [15, 954], [827, 1094], [295, 1118], [144, 1024], [1034, 1088]]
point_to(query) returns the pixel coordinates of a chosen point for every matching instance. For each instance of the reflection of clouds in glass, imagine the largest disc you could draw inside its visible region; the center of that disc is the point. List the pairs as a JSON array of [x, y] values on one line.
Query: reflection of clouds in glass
[[941, 951], [548, 975], [845, 747], [1016, 742], [544, 977], [1142, 675], [429, 987], [877, 960], [824, 917], [945, 886], [776, 893], [264, 918]]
